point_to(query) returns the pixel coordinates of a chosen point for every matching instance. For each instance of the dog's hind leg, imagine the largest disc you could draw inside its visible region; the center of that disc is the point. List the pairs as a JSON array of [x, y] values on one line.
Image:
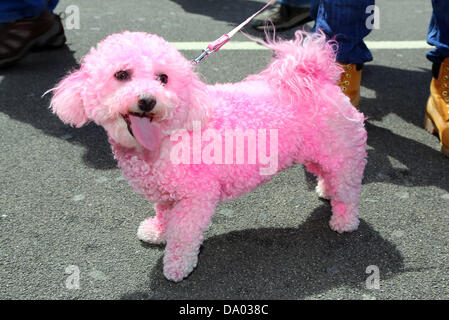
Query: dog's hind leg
[[321, 188], [339, 167], [342, 187], [342, 183], [152, 230]]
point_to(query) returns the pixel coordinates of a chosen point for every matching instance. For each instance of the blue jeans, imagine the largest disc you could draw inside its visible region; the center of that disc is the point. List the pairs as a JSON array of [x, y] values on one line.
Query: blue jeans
[[299, 3], [438, 33], [11, 10], [345, 20]]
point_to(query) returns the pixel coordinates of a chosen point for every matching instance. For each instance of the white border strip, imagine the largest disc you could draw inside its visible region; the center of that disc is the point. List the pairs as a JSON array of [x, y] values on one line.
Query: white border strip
[[251, 45]]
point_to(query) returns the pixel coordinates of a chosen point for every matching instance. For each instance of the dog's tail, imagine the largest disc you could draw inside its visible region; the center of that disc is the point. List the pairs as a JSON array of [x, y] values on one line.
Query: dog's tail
[[301, 64]]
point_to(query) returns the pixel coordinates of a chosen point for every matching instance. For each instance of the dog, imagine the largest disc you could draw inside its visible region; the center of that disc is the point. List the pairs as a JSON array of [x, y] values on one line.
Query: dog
[[148, 97]]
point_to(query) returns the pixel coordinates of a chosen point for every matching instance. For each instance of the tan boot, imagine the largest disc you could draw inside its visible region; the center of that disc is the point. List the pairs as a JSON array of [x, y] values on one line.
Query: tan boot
[[350, 82], [437, 111]]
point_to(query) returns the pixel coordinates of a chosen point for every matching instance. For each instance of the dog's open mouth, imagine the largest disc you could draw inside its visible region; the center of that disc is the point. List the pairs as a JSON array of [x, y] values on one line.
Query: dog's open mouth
[[143, 129], [126, 117]]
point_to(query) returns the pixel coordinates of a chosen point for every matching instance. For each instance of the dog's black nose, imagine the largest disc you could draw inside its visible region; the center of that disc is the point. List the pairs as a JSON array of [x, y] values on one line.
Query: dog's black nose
[[146, 104]]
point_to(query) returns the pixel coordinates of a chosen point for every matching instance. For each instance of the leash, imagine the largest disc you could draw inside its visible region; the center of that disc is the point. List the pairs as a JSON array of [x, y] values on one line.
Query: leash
[[220, 42]]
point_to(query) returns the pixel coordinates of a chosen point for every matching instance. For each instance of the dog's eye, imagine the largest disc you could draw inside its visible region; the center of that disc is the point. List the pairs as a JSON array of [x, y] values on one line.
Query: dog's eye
[[163, 78], [122, 75]]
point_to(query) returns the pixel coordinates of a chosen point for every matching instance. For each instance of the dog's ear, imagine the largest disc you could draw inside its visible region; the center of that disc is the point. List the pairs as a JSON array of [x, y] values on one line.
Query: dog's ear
[[67, 102], [200, 104]]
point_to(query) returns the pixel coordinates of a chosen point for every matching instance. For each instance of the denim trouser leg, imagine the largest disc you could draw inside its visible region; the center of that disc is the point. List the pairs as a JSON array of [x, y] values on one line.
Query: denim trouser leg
[[299, 3], [438, 34], [345, 21], [11, 10]]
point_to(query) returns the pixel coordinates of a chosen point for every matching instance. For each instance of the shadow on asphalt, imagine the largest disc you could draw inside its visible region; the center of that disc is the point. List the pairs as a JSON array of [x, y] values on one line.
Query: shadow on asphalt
[[279, 263], [399, 91], [424, 166], [21, 90], [233, 12], [404, 93]]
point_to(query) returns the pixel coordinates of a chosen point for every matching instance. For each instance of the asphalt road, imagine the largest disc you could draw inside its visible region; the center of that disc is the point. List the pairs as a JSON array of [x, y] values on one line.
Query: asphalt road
[[63, 202]]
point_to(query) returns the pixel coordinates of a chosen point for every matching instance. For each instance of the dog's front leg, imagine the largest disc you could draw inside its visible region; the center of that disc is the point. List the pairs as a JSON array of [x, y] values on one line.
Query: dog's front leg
[[152, 230], [186, 224]]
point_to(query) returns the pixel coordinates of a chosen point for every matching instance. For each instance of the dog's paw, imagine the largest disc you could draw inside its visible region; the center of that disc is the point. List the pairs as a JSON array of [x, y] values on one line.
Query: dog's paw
[[321, 190], [151, 230], [179, 269], [345, 217], [343, 224], [174, 275]]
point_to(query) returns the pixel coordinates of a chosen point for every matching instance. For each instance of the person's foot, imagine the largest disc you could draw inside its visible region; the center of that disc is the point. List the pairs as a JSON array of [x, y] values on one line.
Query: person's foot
[[436, 120], [350, 82], [282, 17], [22, 36]]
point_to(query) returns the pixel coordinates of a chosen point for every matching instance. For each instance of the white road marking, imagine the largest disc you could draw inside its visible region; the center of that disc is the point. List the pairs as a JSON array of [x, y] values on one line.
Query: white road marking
[[250, 45], [418, 44]]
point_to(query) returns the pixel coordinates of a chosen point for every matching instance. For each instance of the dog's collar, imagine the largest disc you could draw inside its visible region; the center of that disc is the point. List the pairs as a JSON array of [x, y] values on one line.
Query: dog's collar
[[220, 42]]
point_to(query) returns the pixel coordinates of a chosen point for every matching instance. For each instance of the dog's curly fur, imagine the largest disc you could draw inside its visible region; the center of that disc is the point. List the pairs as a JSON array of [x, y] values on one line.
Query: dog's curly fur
[[296, 95]]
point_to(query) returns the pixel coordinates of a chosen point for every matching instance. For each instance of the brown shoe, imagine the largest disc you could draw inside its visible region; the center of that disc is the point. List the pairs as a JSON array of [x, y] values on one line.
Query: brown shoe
[[436, 120], [20, 37], [350, 82]]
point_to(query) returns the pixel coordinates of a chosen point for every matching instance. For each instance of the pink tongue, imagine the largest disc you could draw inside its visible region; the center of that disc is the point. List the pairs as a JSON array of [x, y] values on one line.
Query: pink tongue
[[146, 133]]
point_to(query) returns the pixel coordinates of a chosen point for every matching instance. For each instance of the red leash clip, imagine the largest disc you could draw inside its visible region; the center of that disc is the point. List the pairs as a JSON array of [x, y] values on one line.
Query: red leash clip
[[212, 47], [217, 44]]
